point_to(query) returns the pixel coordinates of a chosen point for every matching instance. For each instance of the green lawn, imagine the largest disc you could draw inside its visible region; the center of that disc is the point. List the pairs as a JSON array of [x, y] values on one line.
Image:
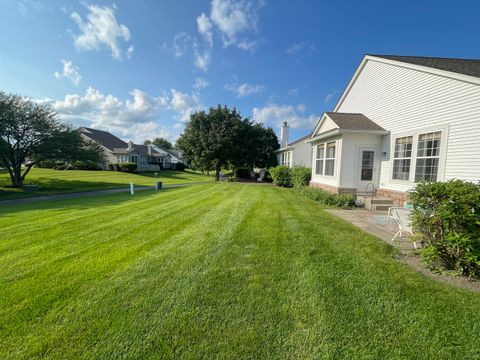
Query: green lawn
[[58, 181], [216, 271]]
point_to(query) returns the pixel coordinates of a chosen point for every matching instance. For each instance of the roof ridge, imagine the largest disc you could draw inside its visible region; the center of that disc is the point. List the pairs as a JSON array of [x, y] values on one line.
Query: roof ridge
[[423, 57]]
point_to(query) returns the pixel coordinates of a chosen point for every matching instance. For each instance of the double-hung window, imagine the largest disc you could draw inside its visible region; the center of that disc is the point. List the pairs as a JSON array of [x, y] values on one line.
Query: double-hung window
[[417, 163], [402, 158], [287, 158], [428, 156], [325, 159]]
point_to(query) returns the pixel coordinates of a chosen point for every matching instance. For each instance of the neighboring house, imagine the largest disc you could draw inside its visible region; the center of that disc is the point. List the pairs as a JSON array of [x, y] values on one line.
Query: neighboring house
[[401, 120], [147, 157], [297, 152]]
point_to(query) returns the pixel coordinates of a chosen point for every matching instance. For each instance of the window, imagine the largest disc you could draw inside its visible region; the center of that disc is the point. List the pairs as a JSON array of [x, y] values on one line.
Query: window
[[428, 156], [287, 158], [402, 158], [121, 159], [319, 159], [134, 159], [330, 159], [325, 159], [367, 165]]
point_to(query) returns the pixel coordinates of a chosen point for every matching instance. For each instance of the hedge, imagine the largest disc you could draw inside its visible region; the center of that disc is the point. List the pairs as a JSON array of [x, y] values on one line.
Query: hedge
[[446, 218], [281, 176], [326, 197], [301, 176]]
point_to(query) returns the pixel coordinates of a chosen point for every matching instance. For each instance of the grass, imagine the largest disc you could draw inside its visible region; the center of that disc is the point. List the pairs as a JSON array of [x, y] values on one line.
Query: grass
[[61, 181], [216, 271]]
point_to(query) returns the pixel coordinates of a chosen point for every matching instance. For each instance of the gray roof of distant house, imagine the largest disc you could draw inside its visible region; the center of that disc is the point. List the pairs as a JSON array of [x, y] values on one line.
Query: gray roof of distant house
[[104, 138], [353, 121], [299, 140], [469, 67]]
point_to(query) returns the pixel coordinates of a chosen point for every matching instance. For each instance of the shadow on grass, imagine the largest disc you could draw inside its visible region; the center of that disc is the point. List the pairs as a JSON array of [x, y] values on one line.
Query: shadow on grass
[[80, 203]]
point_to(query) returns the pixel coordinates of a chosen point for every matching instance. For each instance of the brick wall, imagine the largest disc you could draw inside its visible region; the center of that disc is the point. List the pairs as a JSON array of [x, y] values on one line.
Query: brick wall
[[333, 189], [397, 197]]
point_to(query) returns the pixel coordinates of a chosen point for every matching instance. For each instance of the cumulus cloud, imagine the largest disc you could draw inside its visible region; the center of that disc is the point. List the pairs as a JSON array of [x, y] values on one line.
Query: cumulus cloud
[[275, 115], [101, 28], [181, 43], [136, 118], [205, 28], [200, 83], [202, 59], [241, 90], [235, 18], [184, 104], [70, 72]]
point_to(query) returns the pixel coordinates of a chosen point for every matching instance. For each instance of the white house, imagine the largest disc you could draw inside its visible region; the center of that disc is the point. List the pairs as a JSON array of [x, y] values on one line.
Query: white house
[[297, 152], [400, 120]]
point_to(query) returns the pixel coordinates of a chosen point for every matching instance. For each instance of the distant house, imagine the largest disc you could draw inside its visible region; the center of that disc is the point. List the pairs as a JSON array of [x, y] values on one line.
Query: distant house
[[117, 151], [297, 152], [401, 120]]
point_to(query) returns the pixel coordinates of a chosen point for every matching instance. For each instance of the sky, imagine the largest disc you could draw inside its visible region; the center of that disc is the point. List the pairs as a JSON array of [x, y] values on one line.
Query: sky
[[140, 68]]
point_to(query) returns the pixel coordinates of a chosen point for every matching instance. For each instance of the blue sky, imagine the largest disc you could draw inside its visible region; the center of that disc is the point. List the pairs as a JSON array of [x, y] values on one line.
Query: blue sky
[[139, 68]]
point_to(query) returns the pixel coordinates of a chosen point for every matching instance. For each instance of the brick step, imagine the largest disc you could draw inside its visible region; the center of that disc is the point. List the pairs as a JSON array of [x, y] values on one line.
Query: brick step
[[381, 207]]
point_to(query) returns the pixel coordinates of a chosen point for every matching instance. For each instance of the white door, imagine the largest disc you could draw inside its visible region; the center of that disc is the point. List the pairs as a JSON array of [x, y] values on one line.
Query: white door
[[367, 169]]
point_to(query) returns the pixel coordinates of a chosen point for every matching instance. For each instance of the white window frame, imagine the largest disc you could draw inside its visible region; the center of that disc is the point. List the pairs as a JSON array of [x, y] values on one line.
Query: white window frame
[[121, 159], [287, 158], [413, 162], [324, 158], [402, 157]]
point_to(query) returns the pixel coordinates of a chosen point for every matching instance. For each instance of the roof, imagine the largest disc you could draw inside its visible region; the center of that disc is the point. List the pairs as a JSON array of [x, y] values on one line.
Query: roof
[[353, 121], [298, 140], [469, 67], [104, 138]]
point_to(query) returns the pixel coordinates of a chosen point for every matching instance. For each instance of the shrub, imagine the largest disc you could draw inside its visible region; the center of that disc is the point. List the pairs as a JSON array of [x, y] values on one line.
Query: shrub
[[47, 164], [180, 166], [301, 176], [446, 218], [85, 165], [326, 197], [243, 173], [127, 167], [281, 176], [111, 167]]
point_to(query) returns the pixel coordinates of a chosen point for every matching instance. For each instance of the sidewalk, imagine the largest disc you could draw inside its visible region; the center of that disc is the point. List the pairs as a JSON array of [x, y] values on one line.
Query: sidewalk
[[74, 195]]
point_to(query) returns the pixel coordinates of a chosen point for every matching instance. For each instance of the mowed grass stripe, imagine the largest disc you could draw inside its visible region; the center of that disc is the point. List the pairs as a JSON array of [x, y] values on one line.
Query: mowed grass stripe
[[246, 272]]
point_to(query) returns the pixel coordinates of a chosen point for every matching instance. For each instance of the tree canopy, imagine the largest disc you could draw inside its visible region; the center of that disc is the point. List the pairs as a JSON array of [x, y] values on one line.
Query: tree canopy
[[222, 137], [162, 142], [30, 133]]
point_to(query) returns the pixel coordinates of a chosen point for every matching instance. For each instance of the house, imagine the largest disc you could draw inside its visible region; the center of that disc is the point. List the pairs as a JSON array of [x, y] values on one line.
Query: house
[[117, 151], [297, 152], [401, 120]]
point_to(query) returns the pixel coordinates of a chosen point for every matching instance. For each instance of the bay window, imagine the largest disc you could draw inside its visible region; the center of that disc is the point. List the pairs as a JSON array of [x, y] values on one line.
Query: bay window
[[319, 159], [325, 159], [287, 158]]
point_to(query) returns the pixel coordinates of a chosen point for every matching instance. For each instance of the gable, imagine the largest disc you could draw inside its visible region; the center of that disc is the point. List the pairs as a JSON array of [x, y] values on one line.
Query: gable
[[325, 124]]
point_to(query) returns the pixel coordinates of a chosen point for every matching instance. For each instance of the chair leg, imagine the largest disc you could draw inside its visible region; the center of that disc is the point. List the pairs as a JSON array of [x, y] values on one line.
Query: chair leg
[[398, 232]]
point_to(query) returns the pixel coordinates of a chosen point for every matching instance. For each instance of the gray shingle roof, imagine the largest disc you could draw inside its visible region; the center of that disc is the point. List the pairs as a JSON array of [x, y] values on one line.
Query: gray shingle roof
[[298, 140], [460, 66], [353, 121], [108, 140]]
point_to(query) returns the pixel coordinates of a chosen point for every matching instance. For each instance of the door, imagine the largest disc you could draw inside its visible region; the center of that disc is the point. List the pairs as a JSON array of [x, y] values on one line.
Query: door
[[367, 174]]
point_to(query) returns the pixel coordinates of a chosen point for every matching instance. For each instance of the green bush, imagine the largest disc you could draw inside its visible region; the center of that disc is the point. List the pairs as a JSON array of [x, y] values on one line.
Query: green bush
[[85, 165], [180, 166], [301, 176], [47, 164], [127, 167], [446, 218], [326, 197], [281, 176]]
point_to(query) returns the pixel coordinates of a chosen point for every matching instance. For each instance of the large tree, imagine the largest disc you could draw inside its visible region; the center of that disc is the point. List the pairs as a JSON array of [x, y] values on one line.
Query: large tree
[[30, 133], [162, 142], [222, 137]]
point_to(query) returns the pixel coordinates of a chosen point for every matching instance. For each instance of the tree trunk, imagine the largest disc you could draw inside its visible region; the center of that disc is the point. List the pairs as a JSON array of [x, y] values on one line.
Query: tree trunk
[[16, 176], [217, 172]]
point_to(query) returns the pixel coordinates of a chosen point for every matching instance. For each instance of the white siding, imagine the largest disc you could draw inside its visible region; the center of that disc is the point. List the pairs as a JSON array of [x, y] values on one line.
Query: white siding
[[302, 154], [401, 100]]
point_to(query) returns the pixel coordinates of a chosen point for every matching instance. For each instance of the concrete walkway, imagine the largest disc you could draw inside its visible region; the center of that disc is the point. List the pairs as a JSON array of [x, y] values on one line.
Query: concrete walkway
[[74, 195], [361, 218]]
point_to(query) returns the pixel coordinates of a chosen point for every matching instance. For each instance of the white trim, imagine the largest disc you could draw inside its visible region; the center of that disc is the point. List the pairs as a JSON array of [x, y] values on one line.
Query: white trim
[[425, 69]]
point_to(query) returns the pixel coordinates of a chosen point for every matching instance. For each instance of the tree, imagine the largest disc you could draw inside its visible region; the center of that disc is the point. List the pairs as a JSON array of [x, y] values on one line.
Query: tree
[[30, 133], [221, 137], [162, 142]]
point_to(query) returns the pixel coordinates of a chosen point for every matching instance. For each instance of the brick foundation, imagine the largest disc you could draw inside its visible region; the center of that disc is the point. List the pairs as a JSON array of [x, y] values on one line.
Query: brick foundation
[[333, 189], [397, 197]]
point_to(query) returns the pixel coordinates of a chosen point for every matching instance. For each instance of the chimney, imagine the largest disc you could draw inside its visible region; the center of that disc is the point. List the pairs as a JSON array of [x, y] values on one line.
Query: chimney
[[130, 145], [149, 147], [284, 135]]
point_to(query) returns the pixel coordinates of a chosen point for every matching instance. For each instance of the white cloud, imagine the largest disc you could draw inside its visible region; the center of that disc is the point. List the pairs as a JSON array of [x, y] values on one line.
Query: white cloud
[[241, 90], [275, 115], [293, 92], [184, 104], [301, 49], [202, 59], [100, 28], [235, 18], [25, 6], [329, 96], [200, 83], [205, 28], [181, 43], [70, 72]]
